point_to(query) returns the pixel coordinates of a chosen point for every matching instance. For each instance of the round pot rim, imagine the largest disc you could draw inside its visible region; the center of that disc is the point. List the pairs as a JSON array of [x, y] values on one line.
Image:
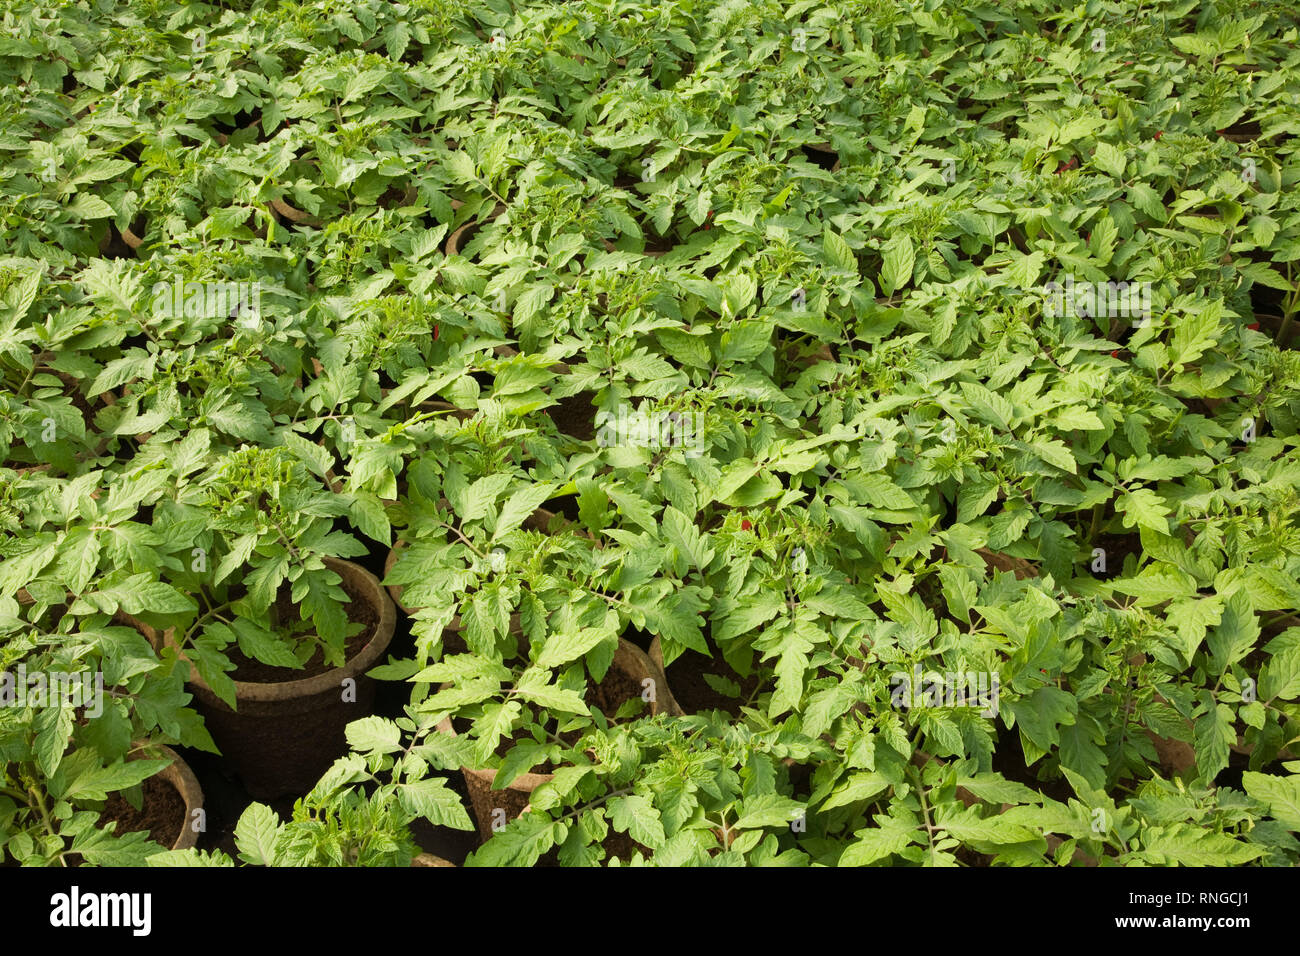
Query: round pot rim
[[181, 776], [656, 657], [330, 679], [452, 245], [425, 858], [525, 782]]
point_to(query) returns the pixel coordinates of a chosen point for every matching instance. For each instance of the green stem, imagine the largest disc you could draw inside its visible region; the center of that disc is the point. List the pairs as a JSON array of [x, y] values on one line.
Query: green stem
[[1283, 332], [1096, 523], [45, 816], [203, 617], [925, 809]]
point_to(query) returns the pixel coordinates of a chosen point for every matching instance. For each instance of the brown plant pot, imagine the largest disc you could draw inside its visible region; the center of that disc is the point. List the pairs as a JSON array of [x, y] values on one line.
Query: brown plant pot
[[464, 233], [428, 859], [182, 778], [514, 799], [1175, 755], [131, 239], [283, 736], [296, 216], [998, 561], [656, 655]]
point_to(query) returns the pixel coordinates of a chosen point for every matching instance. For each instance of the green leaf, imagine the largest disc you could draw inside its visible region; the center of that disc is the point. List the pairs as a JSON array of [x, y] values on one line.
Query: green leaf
[[1157, 584], [837, 251], [635, 507], [520, 844], [520, 506], [1143, 508], [256, 834], [889, 836], [859, 786], [682, 533], [1109, 159], [899, 261], [1282, 794], [87, 206], [533, 687], [374, 735], [637, 817], [433, 800], [99, 782], [1191, 846], [257, 643], [565, 646], [480, 496], [159, 597], [1237, 632], [137, 365], [1215, 735], [1281, 676], [189, 858]]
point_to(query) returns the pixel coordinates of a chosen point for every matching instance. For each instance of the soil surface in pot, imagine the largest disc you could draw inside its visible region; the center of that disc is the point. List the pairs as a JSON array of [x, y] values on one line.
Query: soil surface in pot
[[1117, 548], [686, 678], [161, 814], [575, 416], [1009, 760], [251, 671], [610, 694]]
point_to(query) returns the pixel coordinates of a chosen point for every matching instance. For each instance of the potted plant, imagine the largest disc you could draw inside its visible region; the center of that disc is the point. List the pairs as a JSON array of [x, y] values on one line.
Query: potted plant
[[284, 628], [86, 776], [499, 772], [358, 814]]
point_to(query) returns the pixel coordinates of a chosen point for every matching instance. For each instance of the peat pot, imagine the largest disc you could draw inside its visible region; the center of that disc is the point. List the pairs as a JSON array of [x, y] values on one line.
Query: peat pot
[[283, 736], [629, 660]]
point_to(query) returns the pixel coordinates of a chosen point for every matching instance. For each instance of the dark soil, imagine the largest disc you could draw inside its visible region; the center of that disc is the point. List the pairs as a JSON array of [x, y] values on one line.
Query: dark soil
[[1009, 760], [575, 416], [162, 813], [686, 680], [823, 157], [113, 246], [1242, 132], [1265, 300], [248, 670], [566, 505], [612, 692], [1117, 548], [662, 245], [641, 638]]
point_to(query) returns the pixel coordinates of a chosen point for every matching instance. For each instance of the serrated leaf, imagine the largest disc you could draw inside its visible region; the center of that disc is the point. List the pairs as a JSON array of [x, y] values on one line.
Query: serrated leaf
[[637, 817], [256, 834]]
